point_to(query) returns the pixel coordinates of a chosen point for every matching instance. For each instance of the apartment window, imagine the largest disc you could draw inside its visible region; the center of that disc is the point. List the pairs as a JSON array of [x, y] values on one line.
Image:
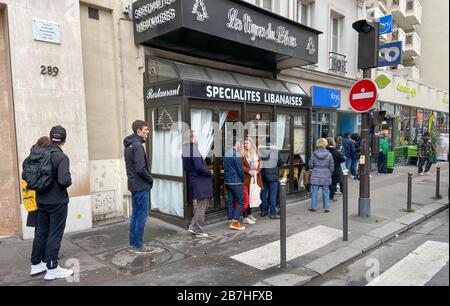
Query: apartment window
[[93, 13], [410, 5], [303, 12], [267, 4], [335, 28]]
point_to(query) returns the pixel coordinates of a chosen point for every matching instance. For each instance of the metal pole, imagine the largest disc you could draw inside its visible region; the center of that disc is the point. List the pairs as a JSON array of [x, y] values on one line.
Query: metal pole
[[345, 208], [282, 199], [409, 194], [364, 180], [438, 181]]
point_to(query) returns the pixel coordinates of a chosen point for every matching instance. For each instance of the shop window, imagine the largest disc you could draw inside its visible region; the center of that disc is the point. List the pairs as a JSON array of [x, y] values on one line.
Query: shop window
[[193, 72], [275, 85], [219, 76], [165, 153], [250, 81]]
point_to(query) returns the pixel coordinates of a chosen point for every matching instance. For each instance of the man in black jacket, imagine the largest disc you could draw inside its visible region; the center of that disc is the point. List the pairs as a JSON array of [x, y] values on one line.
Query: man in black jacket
[[139, 183], [52, 211], [272, 162]]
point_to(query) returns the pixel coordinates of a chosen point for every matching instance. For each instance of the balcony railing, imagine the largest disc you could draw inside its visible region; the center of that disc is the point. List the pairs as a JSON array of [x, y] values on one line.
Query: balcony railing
[[399, 35], [398, 9], [413, 12], [412, 44], [338, 63]]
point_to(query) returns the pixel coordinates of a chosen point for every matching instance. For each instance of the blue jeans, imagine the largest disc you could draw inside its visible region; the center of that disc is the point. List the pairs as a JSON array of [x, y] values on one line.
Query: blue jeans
[[325, 196], [235, 192], [272, 188], [138, 217], [354, 166], [348, 163]]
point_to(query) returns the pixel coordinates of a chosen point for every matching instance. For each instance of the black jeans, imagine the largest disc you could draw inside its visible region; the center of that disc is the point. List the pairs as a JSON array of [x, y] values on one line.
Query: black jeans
[[382, 163], [49, 233], [427, 162]]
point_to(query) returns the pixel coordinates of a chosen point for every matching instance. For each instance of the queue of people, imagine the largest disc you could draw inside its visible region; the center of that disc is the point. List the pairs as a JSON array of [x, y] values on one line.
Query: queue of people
[[251, 176]]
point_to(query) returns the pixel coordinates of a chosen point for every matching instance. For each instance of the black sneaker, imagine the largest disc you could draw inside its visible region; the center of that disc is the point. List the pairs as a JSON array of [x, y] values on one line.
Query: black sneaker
[[144, 250], [264, 213]]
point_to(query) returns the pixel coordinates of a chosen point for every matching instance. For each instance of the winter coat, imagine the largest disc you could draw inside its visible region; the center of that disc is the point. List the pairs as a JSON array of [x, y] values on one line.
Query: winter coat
[[248, 177], [338, 159], [271, 160], [233, 169], [349, 148], [384, 146], [426, 149], [197, 171], [322, 166], [56, 193], [139, 177]]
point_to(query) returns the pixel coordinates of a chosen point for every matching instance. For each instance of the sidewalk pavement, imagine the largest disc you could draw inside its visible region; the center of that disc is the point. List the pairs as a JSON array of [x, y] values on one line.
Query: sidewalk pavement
[[102, 258]]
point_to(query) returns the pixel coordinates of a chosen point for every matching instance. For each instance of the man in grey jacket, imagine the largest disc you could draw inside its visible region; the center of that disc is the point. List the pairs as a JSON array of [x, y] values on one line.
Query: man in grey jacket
[[140, 182]]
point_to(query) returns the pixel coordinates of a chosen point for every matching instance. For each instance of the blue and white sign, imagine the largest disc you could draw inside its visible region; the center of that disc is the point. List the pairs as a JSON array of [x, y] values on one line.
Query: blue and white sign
[[390, 54], [47, 31], [385, 24], [326, 97]]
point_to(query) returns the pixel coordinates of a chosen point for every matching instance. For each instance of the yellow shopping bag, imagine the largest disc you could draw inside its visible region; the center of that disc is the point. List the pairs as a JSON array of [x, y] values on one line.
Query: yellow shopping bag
[[29, 197]]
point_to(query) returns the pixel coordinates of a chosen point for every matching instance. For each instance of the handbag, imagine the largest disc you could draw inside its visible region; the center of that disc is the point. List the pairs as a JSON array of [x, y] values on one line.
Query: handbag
[[255, 193], [29, 197], [307, 180]]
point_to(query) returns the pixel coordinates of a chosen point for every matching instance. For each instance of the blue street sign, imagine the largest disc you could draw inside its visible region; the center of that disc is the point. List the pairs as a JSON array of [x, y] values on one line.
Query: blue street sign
[[385, 24], [390, 54], [326, 97]]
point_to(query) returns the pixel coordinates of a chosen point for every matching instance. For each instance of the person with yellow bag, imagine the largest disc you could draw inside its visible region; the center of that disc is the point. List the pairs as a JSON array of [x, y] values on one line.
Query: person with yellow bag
[[29, 201]]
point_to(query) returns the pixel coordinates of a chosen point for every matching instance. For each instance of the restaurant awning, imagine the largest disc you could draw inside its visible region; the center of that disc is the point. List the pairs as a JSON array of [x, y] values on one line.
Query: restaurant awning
[[229, 31]]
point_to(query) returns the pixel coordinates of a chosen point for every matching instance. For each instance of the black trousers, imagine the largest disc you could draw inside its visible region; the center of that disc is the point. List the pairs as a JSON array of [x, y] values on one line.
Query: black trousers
[[382, 163], [427, 162], [49, 233]]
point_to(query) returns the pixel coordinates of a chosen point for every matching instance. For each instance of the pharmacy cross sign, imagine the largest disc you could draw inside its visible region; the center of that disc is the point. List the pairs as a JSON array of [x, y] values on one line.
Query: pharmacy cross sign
[[363, 95]]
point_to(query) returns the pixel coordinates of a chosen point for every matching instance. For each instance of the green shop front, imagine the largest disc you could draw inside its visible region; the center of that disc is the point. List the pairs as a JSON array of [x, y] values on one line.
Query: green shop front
[[217, 102]]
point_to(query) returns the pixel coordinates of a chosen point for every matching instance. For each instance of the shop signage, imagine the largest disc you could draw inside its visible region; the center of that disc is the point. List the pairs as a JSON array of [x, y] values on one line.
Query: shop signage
[[220, 92], [246, 25], [410, 91], [235, 32], [382, 81], [163, 91], [326, 97], [390, 54], [47, 31], [363, 95], [445, 100], [385, 24]]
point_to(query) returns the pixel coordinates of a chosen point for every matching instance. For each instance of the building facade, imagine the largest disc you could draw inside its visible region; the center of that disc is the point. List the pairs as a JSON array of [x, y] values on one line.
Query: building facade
[[77, 63]]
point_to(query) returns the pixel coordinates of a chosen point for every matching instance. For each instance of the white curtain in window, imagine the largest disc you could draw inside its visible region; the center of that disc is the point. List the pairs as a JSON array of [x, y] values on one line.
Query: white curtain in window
[[167, 197], [281, 130], [201, 122]]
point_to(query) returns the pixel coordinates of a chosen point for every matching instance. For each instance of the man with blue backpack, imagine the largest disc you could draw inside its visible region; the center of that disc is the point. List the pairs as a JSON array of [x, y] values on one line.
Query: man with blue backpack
[[46, 170]]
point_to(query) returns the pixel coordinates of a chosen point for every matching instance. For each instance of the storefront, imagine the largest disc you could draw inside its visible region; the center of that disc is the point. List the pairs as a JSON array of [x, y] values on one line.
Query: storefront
[[326, 102], [218, 102]]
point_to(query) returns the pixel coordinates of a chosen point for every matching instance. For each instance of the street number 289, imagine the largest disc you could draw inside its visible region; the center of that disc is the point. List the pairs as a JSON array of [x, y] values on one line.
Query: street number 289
[[49, 70]]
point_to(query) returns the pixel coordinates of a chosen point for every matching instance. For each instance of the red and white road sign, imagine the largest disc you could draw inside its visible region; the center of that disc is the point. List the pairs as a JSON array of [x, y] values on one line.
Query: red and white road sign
[[363, 95]]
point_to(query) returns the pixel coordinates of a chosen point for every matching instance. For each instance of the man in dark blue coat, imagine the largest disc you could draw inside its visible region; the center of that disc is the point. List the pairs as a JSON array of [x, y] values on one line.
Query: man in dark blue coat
[[140, 182], [199, 181]]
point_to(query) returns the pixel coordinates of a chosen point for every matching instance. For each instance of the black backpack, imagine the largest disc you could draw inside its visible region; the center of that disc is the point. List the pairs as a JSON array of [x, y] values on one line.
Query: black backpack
[[37, 169]]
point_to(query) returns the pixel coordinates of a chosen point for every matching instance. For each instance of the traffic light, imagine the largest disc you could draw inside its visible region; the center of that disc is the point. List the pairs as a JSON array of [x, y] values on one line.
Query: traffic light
[[368, 43]]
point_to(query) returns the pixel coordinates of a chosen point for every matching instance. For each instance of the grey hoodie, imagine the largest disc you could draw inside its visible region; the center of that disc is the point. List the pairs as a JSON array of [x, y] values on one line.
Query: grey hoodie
[[322, 166]]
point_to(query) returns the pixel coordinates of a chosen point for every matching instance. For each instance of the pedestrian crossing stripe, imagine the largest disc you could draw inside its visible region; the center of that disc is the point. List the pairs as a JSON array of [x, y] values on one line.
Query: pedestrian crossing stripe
[[417, 268], [297, 245]]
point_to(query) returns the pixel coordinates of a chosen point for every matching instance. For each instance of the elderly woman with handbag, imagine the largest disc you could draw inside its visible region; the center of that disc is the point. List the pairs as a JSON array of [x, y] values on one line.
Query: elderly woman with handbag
[[322, 166]]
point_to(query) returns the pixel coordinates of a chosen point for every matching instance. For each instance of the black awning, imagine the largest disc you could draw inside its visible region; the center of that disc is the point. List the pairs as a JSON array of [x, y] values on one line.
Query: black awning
[[230, 31], [204, 83]]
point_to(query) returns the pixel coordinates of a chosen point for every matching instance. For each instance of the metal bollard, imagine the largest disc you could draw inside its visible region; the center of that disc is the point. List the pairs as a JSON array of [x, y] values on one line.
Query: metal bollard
[[282, 201], [438, 182], [345, 208], [409, 194]]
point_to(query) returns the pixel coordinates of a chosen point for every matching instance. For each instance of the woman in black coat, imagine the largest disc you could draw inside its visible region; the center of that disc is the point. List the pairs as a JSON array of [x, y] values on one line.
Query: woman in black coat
[[336, 176], [200, 181]]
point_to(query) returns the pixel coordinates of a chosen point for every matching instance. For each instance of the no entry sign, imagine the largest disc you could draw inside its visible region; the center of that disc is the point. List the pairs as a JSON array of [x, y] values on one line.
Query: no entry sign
[[363, 95]]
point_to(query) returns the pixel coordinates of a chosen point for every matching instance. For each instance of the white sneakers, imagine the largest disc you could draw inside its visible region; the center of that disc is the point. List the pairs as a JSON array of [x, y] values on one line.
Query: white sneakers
[[38, 269], [57, 273], [248, 221]]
